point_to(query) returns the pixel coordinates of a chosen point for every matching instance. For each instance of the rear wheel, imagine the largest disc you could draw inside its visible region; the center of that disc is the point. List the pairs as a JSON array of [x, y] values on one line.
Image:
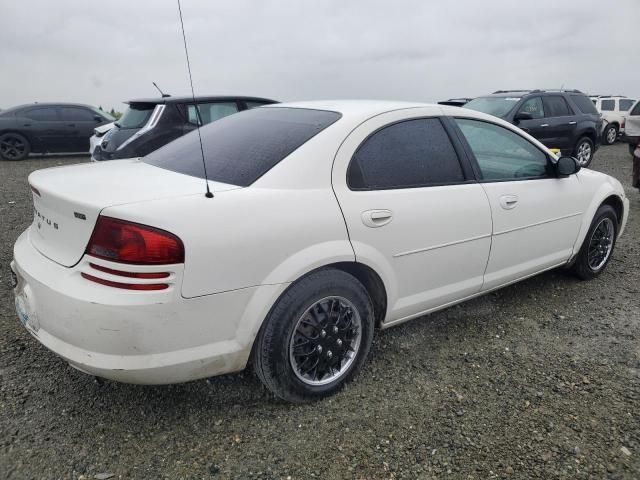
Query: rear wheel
[[584, 151], [316, 338], [610, 134], [598, 245], [14, 146]]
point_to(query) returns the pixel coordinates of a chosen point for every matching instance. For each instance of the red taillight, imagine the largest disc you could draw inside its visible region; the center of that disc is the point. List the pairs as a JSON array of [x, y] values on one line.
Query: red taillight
[[121, 273], [126, 286], [127, 242]]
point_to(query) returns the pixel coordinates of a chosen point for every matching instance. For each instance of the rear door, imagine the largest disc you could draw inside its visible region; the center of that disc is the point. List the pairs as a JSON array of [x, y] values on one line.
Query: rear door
[[536, 216], [560, 122], [44, 127], [413, 210]]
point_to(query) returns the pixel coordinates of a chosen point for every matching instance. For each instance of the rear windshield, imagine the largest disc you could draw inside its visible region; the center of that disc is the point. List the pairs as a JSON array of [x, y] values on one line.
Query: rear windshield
[[240, 148], [584, 104], [497, 106], [136, 115]]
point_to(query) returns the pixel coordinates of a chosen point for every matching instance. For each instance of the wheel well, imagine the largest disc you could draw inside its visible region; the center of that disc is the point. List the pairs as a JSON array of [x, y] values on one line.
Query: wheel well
[[371, 281], [616, 124], [615, 202]]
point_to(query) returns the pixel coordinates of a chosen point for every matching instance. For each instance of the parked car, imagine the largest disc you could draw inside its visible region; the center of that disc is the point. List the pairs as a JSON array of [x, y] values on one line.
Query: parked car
[[98, 133], [48, 128], [148, 124], [613, 109], [632, 129], [564, 119], [328, 219]]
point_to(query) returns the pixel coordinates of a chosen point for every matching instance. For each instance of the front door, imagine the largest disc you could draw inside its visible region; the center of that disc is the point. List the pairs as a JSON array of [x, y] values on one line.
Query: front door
[[412, 211], [536, 216]]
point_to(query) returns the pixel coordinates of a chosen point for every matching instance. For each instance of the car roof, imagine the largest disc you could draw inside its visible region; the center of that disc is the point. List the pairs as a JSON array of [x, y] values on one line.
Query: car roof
[[199, 98], [49, 104], [354, 108]]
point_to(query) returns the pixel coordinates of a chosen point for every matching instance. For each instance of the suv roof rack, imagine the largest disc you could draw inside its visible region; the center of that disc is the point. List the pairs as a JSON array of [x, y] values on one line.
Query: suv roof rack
[[608, 96], [538, 90]]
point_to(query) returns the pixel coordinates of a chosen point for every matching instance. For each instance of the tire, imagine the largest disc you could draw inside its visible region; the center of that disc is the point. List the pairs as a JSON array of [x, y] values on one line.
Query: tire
[[584, 266], [298, 330], [632, 148], [14, 146], [584, 151], [610, 134]]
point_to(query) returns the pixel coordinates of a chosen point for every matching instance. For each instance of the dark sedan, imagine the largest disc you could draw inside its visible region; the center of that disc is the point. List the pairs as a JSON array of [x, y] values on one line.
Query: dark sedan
[[48, 128]]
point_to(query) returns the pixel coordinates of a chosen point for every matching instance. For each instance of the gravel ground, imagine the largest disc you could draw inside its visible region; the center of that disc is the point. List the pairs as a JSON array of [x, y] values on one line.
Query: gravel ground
[[538, 380]]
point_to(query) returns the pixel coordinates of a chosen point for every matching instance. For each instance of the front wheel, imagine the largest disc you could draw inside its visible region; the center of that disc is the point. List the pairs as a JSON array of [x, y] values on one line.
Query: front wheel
[[598, 245], [584, 151], [610, 135], [316, 337], [14, 146]]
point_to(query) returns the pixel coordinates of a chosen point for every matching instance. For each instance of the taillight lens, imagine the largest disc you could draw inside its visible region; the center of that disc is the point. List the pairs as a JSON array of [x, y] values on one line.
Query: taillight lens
[[127, 242]]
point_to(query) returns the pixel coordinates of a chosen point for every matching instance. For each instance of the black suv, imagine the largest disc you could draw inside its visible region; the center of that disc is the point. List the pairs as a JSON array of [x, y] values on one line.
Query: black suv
[[563, 119], [150, 123], [48, 128]]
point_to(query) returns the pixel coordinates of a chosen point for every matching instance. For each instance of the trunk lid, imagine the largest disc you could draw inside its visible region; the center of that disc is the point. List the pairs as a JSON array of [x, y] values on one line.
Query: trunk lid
[[68, 200]]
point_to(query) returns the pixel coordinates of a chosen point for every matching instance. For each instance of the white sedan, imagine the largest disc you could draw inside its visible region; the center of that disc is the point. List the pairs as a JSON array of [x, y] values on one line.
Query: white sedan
[[328, 219]]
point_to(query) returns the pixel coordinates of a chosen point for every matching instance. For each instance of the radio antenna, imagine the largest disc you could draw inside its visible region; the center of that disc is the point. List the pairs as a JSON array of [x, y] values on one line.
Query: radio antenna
[[164, 95], [195, 103]]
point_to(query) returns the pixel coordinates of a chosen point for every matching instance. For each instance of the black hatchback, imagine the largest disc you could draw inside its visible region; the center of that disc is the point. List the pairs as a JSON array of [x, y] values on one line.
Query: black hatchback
[[562, 119], [150, 123]]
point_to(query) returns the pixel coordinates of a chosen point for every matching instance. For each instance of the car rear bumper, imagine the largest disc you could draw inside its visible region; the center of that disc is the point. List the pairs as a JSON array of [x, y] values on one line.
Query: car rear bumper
[[131, 336]]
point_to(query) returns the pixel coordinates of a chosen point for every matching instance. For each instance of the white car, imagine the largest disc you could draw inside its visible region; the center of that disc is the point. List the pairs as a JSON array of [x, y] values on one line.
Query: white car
[[327, 220], [632, 131], [614, 110], [98, 137]]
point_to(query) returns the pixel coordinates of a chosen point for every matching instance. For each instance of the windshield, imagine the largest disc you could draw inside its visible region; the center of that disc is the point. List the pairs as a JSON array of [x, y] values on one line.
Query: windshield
[[240, 148], [497, 106], [136, 115], [103, 114]]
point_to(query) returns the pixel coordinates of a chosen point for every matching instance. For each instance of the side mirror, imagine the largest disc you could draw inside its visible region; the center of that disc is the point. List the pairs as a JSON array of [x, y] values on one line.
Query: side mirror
[[566, 166], [523, 116]]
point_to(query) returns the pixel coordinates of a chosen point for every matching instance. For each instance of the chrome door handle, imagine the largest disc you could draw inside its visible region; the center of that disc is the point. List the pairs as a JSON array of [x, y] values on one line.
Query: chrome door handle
[[572, 123], [508, 201], [544, 125], [376, 218]]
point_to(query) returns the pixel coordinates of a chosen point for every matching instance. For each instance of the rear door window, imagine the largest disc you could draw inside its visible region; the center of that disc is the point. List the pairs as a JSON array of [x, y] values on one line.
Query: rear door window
[[608, 105], [44, 114], [584, 104], [555, 106], [210, 112], [239, 149], [412, 153]]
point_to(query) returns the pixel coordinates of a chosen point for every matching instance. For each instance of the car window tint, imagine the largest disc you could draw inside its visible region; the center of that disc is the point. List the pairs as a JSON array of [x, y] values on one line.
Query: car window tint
[[210, 112], [75, 114], [635, 110], [555, 106], [533, 106], [41, 114], [501, 153], [608, 105], [584, 104], [412, 153], [240, 148], [626, 104]]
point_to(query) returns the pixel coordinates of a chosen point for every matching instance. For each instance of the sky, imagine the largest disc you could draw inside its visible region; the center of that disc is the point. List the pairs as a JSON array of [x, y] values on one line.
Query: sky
[[104, 53]]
